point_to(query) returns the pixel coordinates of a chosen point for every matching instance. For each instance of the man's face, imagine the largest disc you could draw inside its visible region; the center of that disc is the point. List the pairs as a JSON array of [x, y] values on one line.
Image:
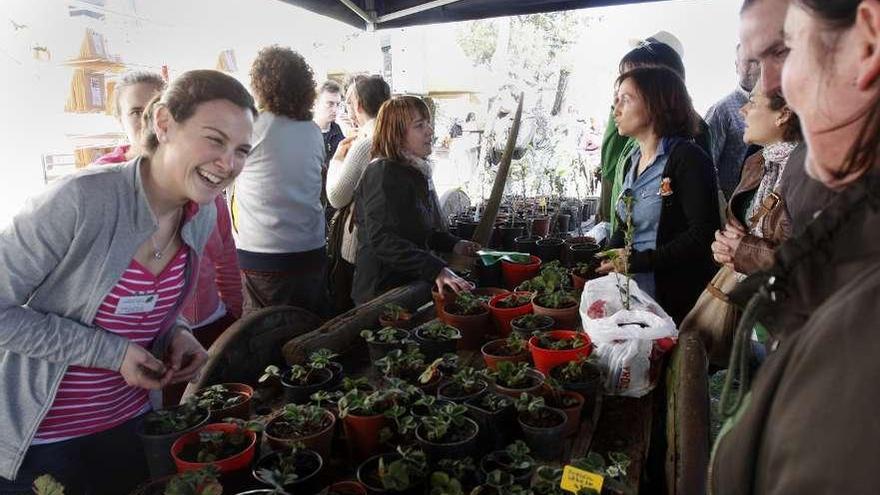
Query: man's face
[[328, 106], [761, 39], [747, 70]]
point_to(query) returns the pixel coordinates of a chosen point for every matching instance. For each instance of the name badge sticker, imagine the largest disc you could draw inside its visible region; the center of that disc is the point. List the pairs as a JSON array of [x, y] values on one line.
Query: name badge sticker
[[575, 480], [130, 305]]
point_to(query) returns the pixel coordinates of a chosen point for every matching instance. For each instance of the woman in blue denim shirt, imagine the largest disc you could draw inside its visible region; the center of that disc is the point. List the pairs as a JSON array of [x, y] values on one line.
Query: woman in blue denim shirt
[[672, 182]]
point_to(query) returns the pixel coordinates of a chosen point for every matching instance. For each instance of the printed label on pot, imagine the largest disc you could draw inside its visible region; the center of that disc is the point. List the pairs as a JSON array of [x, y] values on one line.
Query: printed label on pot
[[574, 480]]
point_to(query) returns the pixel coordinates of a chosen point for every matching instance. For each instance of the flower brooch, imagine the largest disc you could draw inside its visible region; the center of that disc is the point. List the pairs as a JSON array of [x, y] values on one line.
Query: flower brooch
[[665, 187]]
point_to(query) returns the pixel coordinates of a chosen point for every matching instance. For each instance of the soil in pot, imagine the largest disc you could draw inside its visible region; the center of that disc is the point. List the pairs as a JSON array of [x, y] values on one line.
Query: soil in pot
[[506, 307], [455, 392], [460, 441], [311, 425], [304, 463], [517, 273], [381, 342], [512, 379], [227, 400], [528, 325], [505, 350], [436, 339], [550, 249], [542, 432], [298, 388], [228, 446], [561, 306], [160, 429], [558, 347]]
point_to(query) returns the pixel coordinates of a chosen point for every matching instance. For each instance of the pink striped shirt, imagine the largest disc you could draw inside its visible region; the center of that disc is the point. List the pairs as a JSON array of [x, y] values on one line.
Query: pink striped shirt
[[90, 400]]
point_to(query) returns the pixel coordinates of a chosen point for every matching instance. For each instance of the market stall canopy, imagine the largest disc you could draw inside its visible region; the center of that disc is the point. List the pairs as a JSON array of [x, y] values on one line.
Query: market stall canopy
[[385, 14]]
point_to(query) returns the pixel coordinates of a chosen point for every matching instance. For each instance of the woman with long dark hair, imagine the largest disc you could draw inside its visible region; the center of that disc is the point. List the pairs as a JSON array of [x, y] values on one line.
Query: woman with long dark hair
[[808, 423], [672, 185]]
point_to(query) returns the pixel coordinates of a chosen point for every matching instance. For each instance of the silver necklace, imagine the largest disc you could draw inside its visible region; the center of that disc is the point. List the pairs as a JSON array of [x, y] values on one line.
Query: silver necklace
[[158, 253]]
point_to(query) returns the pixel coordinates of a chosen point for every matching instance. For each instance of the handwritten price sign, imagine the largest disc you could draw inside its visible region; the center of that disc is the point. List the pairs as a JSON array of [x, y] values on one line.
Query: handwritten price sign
[[574, 480]]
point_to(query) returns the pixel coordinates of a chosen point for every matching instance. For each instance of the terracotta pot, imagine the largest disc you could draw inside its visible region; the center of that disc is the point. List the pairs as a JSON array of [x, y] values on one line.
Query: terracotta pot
[[517, 273], [362, 433], [502, 317], [492, 358], [320, 441], [237, 462], [537, 382], [564, 317], [546, 359], [573, 424], [473, 328], [541, 226]]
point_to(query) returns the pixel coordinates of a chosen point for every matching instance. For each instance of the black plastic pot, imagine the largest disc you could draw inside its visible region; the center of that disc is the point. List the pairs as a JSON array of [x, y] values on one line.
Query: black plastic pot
[[301, 394], [509, 235], [563, 220], [443, 392], [378, 350], [497, 428], [453, 450], [589, 389], [421, 411], [488, 275], [527, 244], [545, 442], [526, 333], [157, 448], [367, 475], [550, 249], [338, 374], [500, 460], [308, 466], [583, 253], [432, 348]]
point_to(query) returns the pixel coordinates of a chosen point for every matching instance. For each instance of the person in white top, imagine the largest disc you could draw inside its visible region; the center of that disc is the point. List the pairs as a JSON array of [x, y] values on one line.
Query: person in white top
[[348, 164]]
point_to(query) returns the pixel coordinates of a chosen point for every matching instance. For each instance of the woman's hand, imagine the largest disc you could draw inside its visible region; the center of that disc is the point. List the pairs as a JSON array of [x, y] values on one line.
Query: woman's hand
[[726, 243], [185, 357], [466, 248], [344, 146], [446, 278], [613, 261], [141, 369]]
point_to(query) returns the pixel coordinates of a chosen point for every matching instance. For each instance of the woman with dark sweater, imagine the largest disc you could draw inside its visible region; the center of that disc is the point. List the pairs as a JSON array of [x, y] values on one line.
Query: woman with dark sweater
[[398, 216], [674, 209]]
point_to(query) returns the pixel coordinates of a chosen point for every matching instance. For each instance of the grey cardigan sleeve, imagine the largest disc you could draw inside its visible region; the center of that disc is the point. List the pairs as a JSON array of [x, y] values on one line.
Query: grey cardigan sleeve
[[343, 177], [31, 247]]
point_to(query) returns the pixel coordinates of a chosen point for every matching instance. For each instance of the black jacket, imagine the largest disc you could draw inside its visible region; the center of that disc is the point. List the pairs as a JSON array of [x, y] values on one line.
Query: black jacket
[[682, 263], [394, 211]]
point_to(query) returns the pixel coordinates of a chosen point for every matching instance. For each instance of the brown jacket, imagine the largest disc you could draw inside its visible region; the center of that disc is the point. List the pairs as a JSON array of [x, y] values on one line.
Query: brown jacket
[[756, 253], [811, 423]]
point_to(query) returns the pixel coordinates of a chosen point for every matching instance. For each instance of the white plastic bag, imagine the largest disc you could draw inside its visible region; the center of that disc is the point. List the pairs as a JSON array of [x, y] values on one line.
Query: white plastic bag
[[625, 339]]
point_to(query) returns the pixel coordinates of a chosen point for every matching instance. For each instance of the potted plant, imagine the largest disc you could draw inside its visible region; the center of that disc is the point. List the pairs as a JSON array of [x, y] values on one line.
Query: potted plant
[[442, 483], [496, 417], [199, 482], [514, 349], [293, 470], [528, 325], [512, 379], [542, 426], [464, 385], [409, 365], [581, 375], [227, 400], [447, 433], [500, 483], [299, 381], [436, 338], [550, 249], [460, 469], [363, 415], [329, 399], [560, 305], [582, 272], [505, 307], [614, 471], [470, 316], [161, 428], [323, 358], [527, 244], [515, 460], [395, 315], [558, 347], [548, 479], [381, 341], [402, 472], [312, 426], [226, 445], [569, 402], [517, 273]]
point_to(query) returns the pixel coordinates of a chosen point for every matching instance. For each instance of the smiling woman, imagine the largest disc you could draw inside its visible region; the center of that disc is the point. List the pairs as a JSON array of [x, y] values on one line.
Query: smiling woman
[[97, 270]]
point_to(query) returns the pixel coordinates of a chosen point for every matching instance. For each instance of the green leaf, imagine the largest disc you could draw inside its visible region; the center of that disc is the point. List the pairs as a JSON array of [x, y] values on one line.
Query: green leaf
[[47, 485]]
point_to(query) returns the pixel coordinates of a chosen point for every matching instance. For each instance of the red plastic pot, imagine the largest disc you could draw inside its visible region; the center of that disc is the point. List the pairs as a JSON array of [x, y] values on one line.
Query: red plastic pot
[[517, 273], [503, 316], [362, 433], [491, 358], [546, 359], [237, 462]]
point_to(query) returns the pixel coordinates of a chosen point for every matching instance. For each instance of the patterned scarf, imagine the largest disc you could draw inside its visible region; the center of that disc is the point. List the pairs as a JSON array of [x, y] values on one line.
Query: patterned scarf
[[426, 167], [775, 157]]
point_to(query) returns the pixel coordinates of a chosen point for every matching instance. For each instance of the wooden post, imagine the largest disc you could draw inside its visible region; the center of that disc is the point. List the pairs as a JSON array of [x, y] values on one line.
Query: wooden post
[[487, 222]]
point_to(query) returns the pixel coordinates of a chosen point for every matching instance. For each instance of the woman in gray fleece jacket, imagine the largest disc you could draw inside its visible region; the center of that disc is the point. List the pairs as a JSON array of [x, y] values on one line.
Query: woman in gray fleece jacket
[[76, 326]]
